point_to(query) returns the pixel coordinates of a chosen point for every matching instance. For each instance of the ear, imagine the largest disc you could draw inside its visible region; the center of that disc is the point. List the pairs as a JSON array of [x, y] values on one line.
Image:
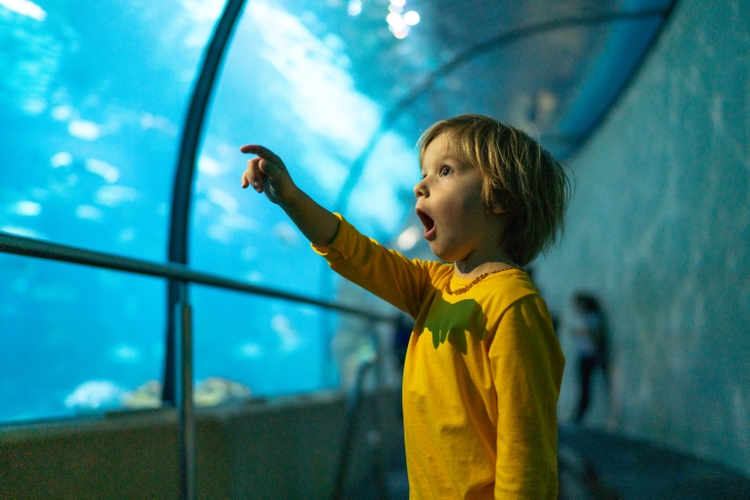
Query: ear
[[496, 208]]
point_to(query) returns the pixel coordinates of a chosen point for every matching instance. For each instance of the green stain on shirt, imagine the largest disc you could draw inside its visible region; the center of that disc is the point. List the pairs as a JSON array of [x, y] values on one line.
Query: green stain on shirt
[[450, 322]]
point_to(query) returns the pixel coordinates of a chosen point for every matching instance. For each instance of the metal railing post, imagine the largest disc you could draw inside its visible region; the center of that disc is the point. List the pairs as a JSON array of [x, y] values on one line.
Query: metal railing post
[[353, 404], [185, 409]]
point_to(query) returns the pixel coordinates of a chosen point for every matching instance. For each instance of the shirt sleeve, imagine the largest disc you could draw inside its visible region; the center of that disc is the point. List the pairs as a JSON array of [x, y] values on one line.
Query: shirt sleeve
[[384, 272], [527, 366]]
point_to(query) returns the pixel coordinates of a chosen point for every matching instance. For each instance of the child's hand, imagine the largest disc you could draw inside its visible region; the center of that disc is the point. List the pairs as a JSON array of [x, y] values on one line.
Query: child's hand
[[267, 174]]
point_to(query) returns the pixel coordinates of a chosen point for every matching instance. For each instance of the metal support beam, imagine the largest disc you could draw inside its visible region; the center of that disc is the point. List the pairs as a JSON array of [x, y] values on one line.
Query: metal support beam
[[183, 183]]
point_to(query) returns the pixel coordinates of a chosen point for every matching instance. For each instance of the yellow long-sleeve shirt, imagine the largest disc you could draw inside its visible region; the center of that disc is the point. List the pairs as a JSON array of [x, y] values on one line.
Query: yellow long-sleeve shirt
[[481, 378]]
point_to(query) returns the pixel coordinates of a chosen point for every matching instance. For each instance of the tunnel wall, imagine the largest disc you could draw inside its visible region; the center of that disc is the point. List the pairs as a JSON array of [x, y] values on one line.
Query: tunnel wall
[[659, 228]]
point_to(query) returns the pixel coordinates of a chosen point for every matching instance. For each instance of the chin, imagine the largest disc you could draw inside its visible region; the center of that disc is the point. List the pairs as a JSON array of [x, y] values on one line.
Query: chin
[[436, 251], [444, 256]]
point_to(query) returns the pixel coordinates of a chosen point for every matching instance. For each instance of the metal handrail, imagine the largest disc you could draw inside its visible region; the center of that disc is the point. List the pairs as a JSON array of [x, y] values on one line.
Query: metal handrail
[[31, 247]]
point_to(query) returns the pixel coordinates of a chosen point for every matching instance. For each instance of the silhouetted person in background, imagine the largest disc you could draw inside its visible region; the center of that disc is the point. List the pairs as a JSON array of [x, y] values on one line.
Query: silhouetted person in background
[[591, 345]]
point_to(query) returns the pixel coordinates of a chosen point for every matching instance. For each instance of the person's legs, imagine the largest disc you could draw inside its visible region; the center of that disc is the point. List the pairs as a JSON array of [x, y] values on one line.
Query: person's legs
[[586, 367]]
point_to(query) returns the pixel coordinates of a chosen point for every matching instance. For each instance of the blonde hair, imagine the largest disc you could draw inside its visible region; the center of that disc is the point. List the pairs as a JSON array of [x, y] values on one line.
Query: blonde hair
[[525, 181]]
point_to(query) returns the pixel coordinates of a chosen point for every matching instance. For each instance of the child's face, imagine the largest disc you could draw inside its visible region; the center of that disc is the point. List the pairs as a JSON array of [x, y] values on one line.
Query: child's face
[[457, 224]]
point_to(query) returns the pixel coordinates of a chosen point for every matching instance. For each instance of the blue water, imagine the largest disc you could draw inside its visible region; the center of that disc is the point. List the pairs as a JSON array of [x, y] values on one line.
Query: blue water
[[92, 100]]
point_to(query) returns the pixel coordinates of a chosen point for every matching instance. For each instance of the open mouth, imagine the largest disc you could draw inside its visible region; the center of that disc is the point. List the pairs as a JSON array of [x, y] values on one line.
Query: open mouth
[[428, 223]]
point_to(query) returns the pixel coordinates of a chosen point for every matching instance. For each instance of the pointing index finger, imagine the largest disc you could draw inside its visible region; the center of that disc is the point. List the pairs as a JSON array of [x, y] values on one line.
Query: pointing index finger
[[259, 150]]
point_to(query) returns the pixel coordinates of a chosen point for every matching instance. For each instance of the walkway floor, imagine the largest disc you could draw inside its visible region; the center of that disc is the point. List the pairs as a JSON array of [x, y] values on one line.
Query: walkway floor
[[595, 465]]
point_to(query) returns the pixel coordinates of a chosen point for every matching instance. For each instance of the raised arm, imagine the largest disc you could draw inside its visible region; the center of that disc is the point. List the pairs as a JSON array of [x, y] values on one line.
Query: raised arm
[[266, 173]]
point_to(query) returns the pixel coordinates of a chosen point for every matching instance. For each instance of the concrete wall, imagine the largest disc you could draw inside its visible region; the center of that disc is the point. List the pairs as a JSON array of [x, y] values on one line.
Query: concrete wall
[[287, 449], [659, 228]]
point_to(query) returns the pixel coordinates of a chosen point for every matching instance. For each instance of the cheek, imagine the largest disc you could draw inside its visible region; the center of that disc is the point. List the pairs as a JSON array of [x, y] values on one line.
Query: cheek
[[470, 206]]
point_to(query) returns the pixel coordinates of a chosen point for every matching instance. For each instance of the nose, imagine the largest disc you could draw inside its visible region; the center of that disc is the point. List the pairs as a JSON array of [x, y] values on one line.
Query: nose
[[420, 189]]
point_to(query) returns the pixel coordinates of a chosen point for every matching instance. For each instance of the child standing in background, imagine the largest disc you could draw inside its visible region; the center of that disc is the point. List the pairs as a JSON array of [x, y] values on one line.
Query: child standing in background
[[483, 366]]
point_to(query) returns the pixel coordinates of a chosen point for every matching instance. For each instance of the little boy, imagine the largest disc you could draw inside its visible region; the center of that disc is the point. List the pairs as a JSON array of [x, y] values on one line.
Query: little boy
[[483, 366]]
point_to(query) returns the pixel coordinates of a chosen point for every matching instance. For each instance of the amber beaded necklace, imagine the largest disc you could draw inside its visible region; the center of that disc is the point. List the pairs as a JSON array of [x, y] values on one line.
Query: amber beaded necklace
[[476, 280]]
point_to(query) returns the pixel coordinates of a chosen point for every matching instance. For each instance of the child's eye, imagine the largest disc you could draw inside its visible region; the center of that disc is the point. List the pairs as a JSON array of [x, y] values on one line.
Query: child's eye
[[445, 171]]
